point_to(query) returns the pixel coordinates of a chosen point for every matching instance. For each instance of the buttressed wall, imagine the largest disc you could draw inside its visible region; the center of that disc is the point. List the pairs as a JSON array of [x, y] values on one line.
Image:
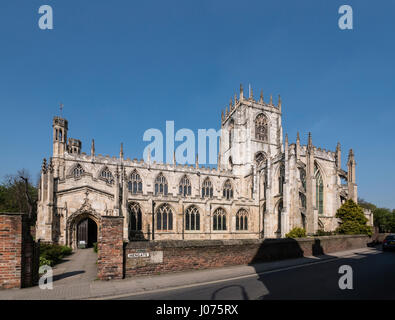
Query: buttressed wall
[[262, 187]]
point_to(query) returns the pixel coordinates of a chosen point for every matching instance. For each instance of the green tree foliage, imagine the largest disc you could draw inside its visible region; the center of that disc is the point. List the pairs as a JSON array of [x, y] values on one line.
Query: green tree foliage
[[296, 233], [352, 219], [384, 219], [18, 194]]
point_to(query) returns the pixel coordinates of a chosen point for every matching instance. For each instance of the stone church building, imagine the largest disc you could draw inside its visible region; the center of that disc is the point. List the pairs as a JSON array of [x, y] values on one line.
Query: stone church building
[[263, 186]]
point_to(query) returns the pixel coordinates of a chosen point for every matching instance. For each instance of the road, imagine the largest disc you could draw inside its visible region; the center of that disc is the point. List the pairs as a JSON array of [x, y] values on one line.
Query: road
[[373, 278]]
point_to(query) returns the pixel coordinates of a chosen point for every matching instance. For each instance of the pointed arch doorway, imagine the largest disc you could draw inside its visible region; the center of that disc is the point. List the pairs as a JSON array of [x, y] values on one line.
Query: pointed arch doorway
[[86, 233]]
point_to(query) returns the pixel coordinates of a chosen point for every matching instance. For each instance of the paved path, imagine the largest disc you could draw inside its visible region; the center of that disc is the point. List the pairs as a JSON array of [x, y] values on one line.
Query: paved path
[[80, 267], [71, 283]]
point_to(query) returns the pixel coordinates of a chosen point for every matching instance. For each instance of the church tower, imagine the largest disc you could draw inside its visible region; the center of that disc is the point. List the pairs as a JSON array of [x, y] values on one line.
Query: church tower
[[251, 132], [60, 128]]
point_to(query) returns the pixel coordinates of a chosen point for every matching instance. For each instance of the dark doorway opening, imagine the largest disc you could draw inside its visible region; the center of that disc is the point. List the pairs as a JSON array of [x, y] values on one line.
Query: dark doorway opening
[[86, 233]]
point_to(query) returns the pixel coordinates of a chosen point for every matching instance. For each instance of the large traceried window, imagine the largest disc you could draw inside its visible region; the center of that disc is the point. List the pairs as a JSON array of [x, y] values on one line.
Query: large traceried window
[[135, 184], [228, 190], [261, 127], [78, 171], [319, 191], [219, 219], [161, 186], [260, 159], [231, 132], [135, 219], [164, 218], [242, 220], [185, 186], [302, 176], [106, 175], [281, 179], [207, 188], [192, 219]]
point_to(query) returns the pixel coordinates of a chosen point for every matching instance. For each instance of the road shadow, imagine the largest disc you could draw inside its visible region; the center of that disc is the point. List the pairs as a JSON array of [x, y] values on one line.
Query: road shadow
[[242, 289], [273, 253], [67, 275]]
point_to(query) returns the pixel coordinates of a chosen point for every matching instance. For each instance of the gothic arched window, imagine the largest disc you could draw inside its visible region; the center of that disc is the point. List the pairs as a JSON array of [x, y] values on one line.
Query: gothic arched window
[[192, 219], [135, 184], [135, 219], [228, 190], [78, 171], [281, 179], [207, 188], [106, 175], [185, 186], [164, 218], [161, 186], [231, 131], [219, 219], [279, 210], [242, 220], [261, 127], [260, 159], [302, 176], [319, 191]]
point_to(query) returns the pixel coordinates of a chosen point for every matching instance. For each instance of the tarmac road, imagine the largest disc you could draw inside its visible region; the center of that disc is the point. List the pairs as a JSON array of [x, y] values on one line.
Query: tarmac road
[[373, 278]]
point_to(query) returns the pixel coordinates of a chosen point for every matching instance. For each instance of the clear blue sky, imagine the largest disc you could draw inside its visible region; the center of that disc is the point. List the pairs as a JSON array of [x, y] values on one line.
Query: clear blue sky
[[121, 67]]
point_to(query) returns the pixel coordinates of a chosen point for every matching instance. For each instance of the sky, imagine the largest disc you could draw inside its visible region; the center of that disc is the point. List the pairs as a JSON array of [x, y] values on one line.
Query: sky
[[122, 67]]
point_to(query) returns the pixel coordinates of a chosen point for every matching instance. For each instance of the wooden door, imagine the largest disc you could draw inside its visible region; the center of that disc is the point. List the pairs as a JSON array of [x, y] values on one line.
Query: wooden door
[[82, 233]]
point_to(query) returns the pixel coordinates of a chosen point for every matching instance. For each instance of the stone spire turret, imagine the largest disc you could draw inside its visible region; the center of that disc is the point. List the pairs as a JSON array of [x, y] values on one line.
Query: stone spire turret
[[338, 156], [241, 93], [279, 102], [261, 97], [121, 151], [93, 148]]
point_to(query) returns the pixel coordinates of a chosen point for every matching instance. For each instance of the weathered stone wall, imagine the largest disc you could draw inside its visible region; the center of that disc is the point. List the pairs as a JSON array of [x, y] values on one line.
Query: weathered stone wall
[[143, 258], [18, 252], [110, 248]]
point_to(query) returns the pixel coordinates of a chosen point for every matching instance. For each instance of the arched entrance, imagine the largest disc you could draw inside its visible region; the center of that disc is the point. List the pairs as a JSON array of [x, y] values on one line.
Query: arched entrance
[[82, 226], [86, 233]]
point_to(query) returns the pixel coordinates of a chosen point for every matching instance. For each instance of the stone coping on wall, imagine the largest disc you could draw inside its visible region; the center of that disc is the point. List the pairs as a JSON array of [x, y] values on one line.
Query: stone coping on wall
[[13, 213], [229, 242]]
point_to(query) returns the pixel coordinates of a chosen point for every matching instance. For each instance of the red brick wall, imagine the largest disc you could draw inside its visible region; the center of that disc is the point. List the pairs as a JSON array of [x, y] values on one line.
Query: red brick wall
[[110, 248], [18, 255], [202, 254]]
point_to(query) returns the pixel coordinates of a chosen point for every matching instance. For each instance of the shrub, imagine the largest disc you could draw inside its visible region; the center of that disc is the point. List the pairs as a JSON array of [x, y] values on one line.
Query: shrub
[[44, 261], [296, 233], [321, 233], [352, 219], [95, 247], [53, 253]]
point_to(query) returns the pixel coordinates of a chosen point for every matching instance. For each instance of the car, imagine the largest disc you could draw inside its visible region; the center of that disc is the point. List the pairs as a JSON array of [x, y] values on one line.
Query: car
[[389, 242]]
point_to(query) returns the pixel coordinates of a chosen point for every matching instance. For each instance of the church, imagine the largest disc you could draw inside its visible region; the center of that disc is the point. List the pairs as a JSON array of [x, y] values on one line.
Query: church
[[262, 187]]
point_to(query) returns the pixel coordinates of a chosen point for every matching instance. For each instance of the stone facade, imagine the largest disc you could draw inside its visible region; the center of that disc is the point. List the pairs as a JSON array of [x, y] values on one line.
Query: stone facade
[[262, 187]]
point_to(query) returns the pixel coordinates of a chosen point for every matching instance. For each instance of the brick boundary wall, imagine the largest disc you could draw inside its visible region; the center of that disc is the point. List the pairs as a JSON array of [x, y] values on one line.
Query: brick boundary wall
[[110, 248], [150, 257], [18, 252]]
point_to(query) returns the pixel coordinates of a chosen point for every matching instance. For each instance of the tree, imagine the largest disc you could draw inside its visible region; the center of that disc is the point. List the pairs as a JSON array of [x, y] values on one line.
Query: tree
[[17, 194], [365, 204], [352, 219], [384, 219]]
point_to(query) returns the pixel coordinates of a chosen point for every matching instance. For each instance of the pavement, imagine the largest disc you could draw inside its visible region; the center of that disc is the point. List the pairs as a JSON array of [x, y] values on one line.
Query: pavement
[[75, 278]]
